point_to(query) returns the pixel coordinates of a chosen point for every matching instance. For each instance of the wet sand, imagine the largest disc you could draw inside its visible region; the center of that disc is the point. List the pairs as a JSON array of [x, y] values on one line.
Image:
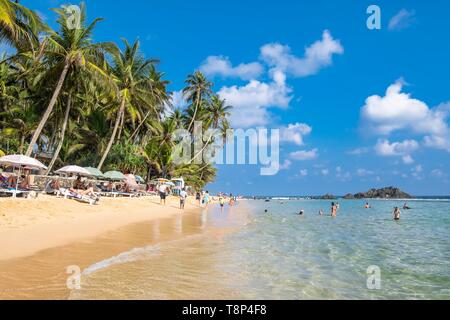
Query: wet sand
[[43, 275]]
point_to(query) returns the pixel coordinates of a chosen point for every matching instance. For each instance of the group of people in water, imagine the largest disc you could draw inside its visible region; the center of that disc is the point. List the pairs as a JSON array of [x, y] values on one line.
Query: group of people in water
[[335, 208]]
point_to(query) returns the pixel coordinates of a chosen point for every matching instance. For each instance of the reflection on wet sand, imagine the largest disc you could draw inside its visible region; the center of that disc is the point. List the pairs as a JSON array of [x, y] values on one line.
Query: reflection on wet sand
[[43, 275]]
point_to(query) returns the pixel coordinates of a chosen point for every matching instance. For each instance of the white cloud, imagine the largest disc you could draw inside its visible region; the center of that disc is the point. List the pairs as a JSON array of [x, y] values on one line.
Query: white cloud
[[358, 151], [304, 172], [221, 66], [178, 101], [294, 133], [402, 149], [304, 155], [250, 102], [402, 20], [398, 111], [317, 56], [325, 172], [364, 172], [437, 173], [385, 148], [286, 165]]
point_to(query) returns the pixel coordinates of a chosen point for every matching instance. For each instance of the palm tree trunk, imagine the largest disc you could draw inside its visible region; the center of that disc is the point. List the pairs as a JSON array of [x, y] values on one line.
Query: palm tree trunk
[[119, 135], [63, 132], [203, 149], [49, 110], [113, 135], [139, 126], [22, 143], [195, 112]]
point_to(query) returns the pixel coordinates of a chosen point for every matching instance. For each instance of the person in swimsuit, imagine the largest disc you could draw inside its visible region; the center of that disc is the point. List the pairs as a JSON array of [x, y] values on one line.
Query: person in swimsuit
[[396, 213], [333, 210], [367, 206], [221, 202]]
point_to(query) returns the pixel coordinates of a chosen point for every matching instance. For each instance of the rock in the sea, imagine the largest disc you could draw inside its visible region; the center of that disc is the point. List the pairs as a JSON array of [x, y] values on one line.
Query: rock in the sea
[[349, 196], [328, 197], [384, 193]]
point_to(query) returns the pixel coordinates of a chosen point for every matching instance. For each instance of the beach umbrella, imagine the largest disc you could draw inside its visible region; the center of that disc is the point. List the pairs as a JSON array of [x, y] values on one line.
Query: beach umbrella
[[168, 183], [94, 172], [114, 175], [74, 170], [139, 179], [19, 161]]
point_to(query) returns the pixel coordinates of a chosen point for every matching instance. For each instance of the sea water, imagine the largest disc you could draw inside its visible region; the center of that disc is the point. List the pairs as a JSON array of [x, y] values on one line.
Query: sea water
[[274, 253]]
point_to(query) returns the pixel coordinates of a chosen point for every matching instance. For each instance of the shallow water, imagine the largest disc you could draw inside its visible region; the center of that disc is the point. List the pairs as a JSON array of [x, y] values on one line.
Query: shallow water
[[280, 255]]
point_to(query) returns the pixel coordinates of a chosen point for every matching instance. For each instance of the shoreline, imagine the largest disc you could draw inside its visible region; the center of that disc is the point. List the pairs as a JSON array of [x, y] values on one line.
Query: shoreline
[[30, 226], [44, 274]]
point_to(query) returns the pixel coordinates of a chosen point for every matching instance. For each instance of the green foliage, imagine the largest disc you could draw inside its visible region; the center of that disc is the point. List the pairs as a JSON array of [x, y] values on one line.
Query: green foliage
[[119, 102]]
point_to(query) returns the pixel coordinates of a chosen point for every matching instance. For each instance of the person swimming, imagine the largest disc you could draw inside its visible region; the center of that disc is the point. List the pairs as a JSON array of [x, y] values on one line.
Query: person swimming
[[320, 212], [405, 207], [396, 213], [367, 206], [302, 212]]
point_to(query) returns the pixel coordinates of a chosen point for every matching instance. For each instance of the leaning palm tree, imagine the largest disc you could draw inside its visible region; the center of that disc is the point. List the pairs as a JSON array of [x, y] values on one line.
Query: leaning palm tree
[[18, 24], [129, 71], [197, 90], [70, 48]]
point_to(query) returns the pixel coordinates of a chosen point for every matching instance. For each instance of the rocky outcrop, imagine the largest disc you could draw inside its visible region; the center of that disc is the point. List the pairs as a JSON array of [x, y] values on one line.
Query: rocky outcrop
[[384, 193], [328, 197], [349, 196]]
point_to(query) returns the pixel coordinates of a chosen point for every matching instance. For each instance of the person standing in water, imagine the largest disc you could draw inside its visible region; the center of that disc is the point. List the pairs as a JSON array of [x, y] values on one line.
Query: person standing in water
[[206, 199], [367, 206], [162, 194], [396, 213], [333, 210], [183, 196], [221, 202]]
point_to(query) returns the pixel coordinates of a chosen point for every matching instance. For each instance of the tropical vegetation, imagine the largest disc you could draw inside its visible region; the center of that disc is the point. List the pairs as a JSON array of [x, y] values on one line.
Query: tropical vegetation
[[67, 99]]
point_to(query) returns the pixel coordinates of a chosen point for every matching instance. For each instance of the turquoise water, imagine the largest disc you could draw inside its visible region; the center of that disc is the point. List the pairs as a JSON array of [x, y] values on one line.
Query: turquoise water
[[281, 255], [318, 257]]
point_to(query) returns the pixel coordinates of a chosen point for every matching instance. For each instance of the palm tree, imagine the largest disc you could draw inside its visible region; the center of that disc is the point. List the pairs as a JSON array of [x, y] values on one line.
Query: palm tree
[[129, 72], [18, 24], [198, 88], [68, 49], [219, 112], [160, 98]]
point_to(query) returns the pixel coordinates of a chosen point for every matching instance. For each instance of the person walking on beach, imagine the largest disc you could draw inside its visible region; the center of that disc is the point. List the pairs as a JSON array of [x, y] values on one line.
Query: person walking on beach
[[162, 194], [396, 213], [198, 197], [183, 196]]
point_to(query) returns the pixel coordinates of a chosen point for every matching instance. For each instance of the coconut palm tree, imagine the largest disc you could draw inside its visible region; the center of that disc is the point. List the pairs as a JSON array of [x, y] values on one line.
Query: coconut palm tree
[[18, 24], [70, 48], [129, 71], [198, 89]]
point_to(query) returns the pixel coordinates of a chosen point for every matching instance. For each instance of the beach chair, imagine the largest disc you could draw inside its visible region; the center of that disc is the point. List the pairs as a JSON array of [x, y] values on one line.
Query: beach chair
[[67, 194], [17, 193]]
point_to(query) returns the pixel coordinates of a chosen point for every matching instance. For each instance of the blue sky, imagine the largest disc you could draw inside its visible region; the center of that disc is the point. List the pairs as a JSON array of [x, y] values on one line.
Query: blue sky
[[309, 67]]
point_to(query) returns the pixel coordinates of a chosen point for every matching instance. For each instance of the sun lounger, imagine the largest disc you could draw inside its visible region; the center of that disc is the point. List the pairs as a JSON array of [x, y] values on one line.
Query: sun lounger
[[15, 193], [67, 194]]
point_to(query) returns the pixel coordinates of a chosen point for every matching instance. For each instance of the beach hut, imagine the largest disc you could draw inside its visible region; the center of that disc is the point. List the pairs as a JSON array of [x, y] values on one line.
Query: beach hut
[[178, 185]]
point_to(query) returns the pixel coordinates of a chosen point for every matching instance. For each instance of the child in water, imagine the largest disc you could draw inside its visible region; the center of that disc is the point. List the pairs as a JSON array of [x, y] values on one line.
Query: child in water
[[396, 213]]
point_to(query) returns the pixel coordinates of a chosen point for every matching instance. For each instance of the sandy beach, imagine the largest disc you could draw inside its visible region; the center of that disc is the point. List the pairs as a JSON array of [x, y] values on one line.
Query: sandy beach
[[28, 226]]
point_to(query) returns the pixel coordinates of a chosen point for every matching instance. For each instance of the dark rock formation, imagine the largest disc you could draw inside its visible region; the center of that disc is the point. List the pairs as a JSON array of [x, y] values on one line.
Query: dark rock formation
[[328, 197], [349, 196], [384, 193]]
